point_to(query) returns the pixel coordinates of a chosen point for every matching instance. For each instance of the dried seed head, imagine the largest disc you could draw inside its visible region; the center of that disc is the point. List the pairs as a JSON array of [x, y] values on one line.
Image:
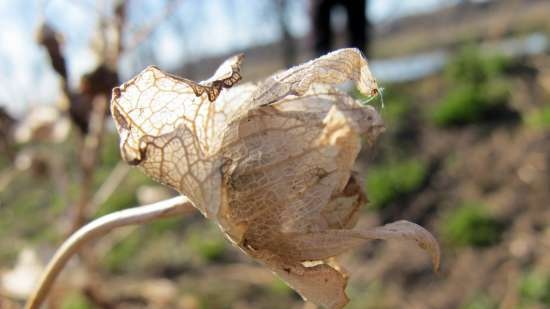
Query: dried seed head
[[271, 163]]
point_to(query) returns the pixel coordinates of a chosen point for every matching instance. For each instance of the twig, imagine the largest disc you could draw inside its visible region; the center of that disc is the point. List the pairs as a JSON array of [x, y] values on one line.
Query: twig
[[137, 215], [107, 188], [142, 34]]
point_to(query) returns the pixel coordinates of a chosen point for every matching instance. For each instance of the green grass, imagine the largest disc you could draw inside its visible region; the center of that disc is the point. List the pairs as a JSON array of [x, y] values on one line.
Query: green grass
[[472, 66], [165, 225], [539, 119], [535, 288], [110, 151], [4, 162], [76, 301], [372, 295], [119, 258], [125, 194], [479, 89], [471, 225], [216, 293], [206, 241], [207, 249], [470, 104], [395, 109], [279, 287], [386, 183], [480, 302]]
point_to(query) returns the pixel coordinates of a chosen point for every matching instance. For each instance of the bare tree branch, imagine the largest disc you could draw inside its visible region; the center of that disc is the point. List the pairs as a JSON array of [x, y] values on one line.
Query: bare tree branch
[[146, 31], [88, 158]]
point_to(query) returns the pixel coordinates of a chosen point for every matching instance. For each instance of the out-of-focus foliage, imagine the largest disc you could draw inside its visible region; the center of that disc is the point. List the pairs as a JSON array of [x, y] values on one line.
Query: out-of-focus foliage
[[479, 89], [279, 287], [117, 259], [395, 109], [126, 193], [386, 183], [480, 302], [535, 289], [369, 296], [468, 104], [539, 118], [471, 225], [76, 301], [471, 66], [208, 244]]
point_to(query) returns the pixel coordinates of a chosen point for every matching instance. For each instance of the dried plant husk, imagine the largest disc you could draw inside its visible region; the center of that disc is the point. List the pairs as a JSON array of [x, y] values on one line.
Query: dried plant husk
[[271, 163]]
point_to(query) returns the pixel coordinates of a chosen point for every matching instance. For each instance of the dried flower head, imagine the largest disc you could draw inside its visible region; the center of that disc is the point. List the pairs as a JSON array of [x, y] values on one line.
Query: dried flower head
[[270, 163]]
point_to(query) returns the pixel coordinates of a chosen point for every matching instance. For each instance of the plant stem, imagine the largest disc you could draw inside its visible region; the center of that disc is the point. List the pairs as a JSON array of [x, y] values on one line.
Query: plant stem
[[101, 226]]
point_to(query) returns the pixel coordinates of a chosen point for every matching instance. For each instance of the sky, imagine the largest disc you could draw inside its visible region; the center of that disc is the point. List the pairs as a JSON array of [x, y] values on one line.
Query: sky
[[196, 28]]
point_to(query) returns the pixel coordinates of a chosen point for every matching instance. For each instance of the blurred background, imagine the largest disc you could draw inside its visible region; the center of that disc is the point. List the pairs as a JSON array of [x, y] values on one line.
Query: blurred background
[[466, 152]]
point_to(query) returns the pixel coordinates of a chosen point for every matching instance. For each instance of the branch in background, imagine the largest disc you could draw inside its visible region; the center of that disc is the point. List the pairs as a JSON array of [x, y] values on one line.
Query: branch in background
[[62, 180], [88, 159], [52, 41], [289, 45], [88, 109], [139, 215], [145, 32], [120, 21], [108, 187]]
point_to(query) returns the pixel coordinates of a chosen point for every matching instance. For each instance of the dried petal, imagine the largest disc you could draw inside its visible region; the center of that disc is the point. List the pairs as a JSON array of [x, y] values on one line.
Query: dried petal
[[325, 244], [321, 283], [405, 230]]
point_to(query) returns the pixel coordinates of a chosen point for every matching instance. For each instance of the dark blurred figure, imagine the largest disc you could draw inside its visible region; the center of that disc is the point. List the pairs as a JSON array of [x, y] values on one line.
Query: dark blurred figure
[[7, 125], [289, 45], [357, 27]]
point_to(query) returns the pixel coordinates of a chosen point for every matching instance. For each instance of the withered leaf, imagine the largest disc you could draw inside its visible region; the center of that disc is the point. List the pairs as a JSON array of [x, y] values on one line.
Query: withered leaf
[[271, 162]]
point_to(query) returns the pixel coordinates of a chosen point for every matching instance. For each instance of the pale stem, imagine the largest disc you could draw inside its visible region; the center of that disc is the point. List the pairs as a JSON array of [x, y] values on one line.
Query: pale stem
[[101, 226], [109, 186]]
